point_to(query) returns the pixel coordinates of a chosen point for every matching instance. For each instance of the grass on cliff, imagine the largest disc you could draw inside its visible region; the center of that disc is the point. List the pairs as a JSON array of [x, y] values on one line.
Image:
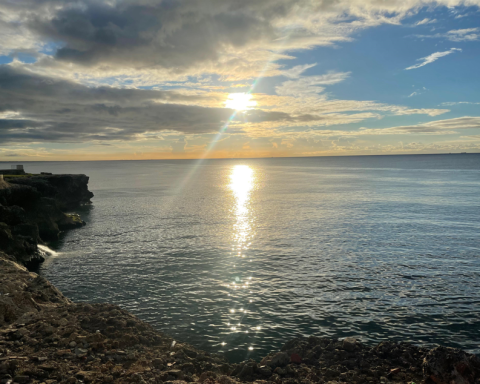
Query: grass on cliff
[[75, 217], [15, 176]]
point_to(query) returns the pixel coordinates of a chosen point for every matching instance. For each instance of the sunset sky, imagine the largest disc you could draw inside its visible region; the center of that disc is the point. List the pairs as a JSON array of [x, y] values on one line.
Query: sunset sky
[[145, 79]]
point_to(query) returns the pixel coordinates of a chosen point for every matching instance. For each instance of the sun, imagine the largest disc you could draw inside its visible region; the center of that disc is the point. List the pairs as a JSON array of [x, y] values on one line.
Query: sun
[[240, 101]]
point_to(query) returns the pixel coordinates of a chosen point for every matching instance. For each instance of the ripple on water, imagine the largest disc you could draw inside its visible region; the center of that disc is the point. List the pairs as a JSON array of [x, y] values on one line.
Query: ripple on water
[[375, 252]]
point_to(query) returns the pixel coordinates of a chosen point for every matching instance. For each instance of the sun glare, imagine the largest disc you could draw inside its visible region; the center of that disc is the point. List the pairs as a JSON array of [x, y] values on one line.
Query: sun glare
[[240, 101]]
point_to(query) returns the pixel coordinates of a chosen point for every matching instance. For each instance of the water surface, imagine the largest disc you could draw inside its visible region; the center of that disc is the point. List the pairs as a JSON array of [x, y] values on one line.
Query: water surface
[[238, 256]]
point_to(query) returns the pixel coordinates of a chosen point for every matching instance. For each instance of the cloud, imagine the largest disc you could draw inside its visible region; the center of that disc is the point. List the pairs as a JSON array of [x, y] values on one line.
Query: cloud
[[469, 34], [455, 35], [152, 40], [452, 103], [433, 57], [438, 127], [296, 71], [425, 21], [310, 84], [38, 108]]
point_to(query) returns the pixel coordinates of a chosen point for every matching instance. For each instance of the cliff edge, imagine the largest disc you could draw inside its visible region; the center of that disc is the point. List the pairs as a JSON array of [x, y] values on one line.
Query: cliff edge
[[32, 212]]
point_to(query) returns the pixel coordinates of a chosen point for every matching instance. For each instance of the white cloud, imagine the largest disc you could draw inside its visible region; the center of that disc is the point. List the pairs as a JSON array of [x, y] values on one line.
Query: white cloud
[[425, 21], [455, 35], [296, 71], [433, 57], [438, 127], [452, 103], [310, 85]]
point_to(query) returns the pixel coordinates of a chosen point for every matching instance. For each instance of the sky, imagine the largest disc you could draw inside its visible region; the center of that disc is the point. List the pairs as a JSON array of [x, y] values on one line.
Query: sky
[[189, 79]]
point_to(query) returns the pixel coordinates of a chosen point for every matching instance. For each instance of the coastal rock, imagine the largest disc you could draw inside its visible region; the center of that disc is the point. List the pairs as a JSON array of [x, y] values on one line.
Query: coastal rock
[[31, 212], [23, 294], [349, 343], [279, 359], [69, 191], [444, 365]]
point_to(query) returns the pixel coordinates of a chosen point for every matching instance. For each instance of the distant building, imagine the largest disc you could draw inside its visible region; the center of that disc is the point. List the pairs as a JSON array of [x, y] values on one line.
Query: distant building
[[15, 170]]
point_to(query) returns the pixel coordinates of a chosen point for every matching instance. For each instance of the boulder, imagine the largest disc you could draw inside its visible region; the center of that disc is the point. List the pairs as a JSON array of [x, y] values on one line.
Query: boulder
[[443, 365]]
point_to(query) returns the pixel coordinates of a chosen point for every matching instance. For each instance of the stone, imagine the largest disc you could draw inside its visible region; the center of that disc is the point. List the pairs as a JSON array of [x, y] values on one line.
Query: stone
[[264, 371], [207, 375], [21, 378], [279, 359], [177, 373], [279, 371], [393, 372], [295, 358], [451, 365], [349, 344]]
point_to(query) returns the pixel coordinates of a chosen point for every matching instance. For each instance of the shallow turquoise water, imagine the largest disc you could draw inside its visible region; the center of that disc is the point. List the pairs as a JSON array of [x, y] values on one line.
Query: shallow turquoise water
[[383, 247]]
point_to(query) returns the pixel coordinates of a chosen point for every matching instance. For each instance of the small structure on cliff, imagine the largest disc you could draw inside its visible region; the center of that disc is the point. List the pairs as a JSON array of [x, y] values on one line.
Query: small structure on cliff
[[14, 170]]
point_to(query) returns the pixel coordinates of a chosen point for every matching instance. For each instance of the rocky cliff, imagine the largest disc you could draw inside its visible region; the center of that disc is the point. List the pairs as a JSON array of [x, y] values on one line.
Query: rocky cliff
[[31, 212]]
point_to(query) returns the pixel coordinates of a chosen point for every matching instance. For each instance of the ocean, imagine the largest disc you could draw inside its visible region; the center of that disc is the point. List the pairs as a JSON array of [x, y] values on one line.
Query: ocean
[[239, 256]]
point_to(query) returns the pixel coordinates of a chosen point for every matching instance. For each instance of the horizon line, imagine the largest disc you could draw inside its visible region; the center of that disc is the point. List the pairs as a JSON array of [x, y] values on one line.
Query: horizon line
[[252, 158]]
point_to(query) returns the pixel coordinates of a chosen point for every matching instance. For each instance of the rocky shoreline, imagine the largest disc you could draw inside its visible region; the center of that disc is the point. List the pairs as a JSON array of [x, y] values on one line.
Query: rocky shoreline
[[45, 338], [32, 212]]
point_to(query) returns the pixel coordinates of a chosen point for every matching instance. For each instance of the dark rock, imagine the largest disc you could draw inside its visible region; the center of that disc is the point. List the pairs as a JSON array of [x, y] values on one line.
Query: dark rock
[[349, 344], [246, 372], [450, 365], [69, 191], [21, 378], [295, 358], [31, 212], [264, 371], [279, 359]]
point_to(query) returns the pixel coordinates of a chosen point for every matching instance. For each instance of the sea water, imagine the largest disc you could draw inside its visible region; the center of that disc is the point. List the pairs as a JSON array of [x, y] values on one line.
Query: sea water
[[239, 256]]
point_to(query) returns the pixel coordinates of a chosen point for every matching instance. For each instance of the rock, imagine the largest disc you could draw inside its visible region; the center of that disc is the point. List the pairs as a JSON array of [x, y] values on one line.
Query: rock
[[279, 371], [451, 365], [393, 372], [31, 211], [247, 371], [349, 343], [84, 375], [79, 352], [21, 378], [264, 371], [295, 358], [207, 375], [279, 359], [176, 373]]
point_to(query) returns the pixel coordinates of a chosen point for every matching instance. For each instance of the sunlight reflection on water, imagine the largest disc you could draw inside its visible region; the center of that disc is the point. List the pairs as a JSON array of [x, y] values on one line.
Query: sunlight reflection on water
[[373, 247], [242, 182]]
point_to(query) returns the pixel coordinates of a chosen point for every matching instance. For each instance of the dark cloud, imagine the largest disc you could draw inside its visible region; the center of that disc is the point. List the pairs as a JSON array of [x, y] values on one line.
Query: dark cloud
[[167, 34], [58, 110]]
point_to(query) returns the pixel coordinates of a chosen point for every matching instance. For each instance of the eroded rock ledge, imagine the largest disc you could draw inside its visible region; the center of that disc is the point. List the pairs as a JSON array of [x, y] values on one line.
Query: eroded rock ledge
[[32, 212]]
